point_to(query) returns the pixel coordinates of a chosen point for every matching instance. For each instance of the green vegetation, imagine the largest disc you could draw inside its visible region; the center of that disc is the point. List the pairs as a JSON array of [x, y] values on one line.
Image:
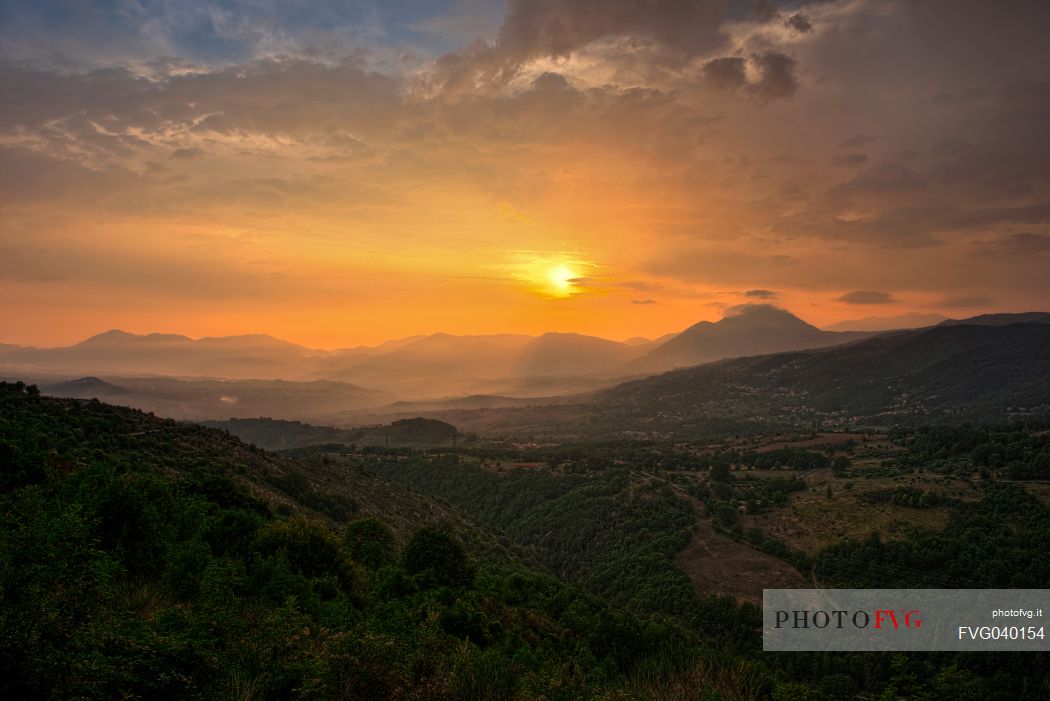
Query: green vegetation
[[277, 434], [128, 579], [615, 538], [999, 541], [944, 374], [1018, 450], [141, 558]]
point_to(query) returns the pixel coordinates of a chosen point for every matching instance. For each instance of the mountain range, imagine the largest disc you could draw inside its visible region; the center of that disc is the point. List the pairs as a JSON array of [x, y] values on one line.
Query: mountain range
[[428, 367], [782, 370], [980, 369]]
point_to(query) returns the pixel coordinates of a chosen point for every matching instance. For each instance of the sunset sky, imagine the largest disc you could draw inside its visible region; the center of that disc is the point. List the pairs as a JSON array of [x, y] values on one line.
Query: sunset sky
[[341, 173]]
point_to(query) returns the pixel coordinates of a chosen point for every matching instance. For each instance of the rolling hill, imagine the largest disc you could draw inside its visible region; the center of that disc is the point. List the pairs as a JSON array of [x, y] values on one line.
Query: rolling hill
[[958, 372], [897, 322], [200, 399], [275, 434]]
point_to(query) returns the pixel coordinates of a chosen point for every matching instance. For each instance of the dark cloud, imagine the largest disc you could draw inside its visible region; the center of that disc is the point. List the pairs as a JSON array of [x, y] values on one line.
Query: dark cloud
[[881, 179], [682, 29], [1024, 244], [850, 160], [737, 309], [965, 302], [763, 11], [534, 28], [187, 154], [798, 22], [726, 73], [761, 294], [777, 76], [867, 297], [643, 301]]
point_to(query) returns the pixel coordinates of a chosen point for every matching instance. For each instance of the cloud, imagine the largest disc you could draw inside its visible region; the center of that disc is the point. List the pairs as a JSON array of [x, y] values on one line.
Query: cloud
[[738, 309], [775, 75], [1023, 244], [866, 297], [850, 160], [798, 23], [534, 28], [858, 141], [643, 301], [668, 32], [92, 265], [679, 145], [964, 302], [187, 154], [726, 73], [761, 294]]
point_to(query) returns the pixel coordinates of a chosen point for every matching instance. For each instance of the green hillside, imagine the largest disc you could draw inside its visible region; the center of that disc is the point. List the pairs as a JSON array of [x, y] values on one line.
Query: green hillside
[[941, 374], [277, 434], [142, 558]]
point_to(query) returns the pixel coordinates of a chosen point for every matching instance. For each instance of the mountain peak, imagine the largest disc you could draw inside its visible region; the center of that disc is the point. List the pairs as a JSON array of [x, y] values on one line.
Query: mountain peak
[[747, 329], [763, 312], [116, 336], [111, 336]]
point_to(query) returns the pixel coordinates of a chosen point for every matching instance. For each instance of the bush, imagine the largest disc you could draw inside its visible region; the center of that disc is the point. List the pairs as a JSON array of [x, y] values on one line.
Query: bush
[[433, 552]]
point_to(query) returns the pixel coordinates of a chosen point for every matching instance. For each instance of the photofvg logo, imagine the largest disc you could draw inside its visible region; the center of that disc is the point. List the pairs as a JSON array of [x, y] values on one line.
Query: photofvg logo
[[904, 619], [896, 618]]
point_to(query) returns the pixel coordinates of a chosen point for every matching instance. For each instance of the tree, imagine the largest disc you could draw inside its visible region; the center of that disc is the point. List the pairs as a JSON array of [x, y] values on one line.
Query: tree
[[369, 541], [720, 472], [434, 553]]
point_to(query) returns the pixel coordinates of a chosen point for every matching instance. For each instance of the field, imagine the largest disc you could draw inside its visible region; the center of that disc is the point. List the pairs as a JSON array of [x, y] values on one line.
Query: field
[[717, 564]]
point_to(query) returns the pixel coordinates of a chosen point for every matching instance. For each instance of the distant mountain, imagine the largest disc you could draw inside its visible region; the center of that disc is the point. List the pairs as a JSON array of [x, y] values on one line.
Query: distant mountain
[[431, 367], [571, 354], [957, 372], [434, 365], [914, 320], [1001, 319], [116, 338], [239, 357], [639, 341], [755, 330], [208, 399], [443, 365], [417, 367], [85, 388]]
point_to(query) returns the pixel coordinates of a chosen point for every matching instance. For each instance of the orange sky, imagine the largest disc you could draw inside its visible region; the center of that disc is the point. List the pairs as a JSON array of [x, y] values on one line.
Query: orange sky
[[619, 176]]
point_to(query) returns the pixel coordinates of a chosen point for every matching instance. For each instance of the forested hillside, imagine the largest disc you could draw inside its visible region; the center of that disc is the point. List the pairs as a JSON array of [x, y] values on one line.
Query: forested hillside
[[275, 434], [942, 374], [144, 558]]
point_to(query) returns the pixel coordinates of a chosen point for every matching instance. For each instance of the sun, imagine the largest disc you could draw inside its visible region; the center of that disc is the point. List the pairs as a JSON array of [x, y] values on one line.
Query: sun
[[562, 280]]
